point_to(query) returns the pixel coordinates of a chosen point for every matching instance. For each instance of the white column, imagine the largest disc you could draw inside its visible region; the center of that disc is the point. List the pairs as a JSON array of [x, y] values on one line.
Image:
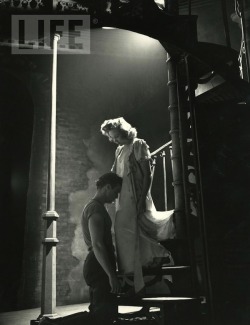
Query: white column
[[48, 299]]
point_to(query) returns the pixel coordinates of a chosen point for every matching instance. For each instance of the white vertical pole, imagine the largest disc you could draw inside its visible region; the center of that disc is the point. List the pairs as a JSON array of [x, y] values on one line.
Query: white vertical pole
[[51, 201], [48, 301]]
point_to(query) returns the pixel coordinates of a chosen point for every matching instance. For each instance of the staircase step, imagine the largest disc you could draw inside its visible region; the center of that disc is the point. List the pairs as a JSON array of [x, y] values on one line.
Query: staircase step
[[157, 301], [177, 310], [215, 54], [208, 57], [173, 310], [167, 270], [154, 301], [211, 93], [164, 270]]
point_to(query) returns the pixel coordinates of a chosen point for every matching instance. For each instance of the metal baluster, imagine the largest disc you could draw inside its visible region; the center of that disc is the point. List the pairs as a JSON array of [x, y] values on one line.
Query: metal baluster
[[176, 153], [163, 155], [153, 164]]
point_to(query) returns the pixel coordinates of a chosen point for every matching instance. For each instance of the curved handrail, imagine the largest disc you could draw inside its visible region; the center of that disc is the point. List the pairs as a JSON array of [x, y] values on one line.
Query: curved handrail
[[161, 148]]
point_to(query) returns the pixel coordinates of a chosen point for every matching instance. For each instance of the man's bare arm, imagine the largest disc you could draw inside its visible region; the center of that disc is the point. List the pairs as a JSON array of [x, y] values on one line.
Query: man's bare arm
[[96, 228]]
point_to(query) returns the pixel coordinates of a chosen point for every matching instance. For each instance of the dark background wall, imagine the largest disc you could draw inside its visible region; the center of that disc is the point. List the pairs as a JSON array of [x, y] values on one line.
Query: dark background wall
[[125, 75], [25, 99], [15, 149], [223, 131]]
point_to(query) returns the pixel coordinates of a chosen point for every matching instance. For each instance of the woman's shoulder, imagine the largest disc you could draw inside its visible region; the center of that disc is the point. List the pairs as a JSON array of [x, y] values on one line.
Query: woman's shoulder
[[139, 142], [141, 149]]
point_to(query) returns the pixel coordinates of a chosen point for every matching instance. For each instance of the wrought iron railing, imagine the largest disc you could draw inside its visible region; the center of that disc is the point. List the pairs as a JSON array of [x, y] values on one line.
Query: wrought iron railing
[[161, 152]]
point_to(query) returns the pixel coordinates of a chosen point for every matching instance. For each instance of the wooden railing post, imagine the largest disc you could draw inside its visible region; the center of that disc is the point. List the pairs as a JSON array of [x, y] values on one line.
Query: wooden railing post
[[176, 151]]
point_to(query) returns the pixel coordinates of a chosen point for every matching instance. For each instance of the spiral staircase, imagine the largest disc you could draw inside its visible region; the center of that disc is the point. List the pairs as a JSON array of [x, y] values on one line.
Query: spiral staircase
[[203, 77]]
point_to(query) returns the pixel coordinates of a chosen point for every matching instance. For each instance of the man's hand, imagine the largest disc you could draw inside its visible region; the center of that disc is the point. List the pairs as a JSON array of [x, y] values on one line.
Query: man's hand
[[115, 285]]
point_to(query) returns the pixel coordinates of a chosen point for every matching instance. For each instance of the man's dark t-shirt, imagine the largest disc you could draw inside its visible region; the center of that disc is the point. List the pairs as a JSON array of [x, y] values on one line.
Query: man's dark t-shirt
[[103, 304], [93, 207]]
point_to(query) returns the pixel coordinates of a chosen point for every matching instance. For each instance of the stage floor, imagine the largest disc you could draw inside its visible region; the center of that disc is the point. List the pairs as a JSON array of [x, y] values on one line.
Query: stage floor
[[23, 317]]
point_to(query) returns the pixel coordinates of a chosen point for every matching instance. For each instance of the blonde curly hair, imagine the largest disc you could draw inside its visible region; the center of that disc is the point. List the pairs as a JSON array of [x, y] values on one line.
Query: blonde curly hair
[[120, 124]]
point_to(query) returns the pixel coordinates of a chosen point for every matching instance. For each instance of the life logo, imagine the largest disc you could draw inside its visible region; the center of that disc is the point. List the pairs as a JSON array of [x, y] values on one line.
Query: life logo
[[33, 34]]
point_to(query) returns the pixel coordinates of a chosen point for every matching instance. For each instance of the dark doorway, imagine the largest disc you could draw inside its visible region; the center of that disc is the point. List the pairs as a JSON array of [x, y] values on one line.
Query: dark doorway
[[16, 124]]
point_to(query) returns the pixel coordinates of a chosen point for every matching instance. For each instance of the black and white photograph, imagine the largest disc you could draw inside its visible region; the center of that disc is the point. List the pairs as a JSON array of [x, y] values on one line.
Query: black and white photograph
[[125, 162]]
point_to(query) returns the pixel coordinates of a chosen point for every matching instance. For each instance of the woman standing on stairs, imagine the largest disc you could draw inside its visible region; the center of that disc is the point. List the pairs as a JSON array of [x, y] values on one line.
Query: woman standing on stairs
[[138, 226]]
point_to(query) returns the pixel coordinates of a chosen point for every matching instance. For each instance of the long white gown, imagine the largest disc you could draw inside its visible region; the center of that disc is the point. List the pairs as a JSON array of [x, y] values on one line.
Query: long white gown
[[136, 236]]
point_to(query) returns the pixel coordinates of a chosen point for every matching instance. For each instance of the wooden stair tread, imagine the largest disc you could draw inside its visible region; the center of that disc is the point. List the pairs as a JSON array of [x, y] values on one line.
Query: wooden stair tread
[[208, 57], [222, 92], [212, 55], [209, 54], [169, 299], [164, 270], [175, 267], [167, 270], [155, 301]]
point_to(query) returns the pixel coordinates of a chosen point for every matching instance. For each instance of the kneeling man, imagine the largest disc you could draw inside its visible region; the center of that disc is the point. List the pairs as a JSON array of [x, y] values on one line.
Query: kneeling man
[[100, 265]]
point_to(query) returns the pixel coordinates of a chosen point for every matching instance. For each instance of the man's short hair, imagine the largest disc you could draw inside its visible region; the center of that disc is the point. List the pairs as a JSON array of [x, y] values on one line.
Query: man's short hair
[[109, 178]]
